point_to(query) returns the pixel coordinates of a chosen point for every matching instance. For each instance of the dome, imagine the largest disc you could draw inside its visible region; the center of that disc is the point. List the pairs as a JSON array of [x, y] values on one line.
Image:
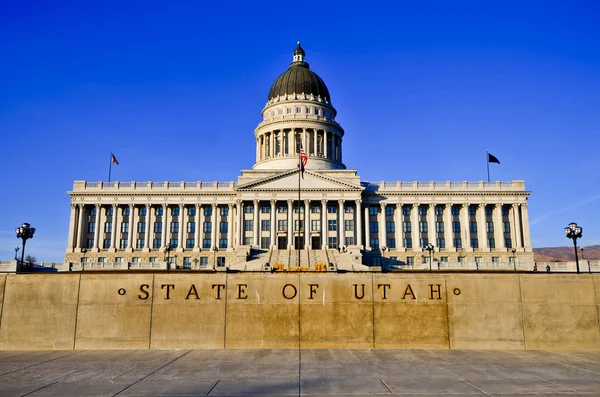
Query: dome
[[299, 79]]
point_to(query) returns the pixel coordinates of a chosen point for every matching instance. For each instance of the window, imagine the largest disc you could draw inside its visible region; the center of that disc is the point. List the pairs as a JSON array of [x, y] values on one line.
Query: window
[[307, 110], [332, 242], [488, 210], [109, 211], [461, 259], [126, 211], [108, 227], [332, 224], [106, 243], [298, 109], [191, 227], [158, 227], [315, 209], [349, 241], [101, 259], [139, 243], [424, 242], [191, 211], [422, 210], [85, 260], [93, 212], [224, 211], [189, 243], [158, 211], [187, 262], [456, 227], [174, 243], [439, 210], [349, 225], [472, 210], [265, 225], [348, 210], [156, 243], [175, 211], [206, 243], [220, 261], [282, 209], [142, 211], [439, 227], [316, 111], [389, 210], [441, 242], [505, 211], [141, 227], [174, 227], [489, 226], [125, 227], [473, 227], [91, 227], [332, 209], [455, 210], [248, 226], [207, 227], [407, 227], [282, 225], [474, 243], [373, 211], [408, 242], [443, 259], [298, 225], [123, 243], [373, 227], [405, 210], [495, 259], [152, 259], [391, 242], [265, 209], [288, 110], [296, 209], [410, 260], [223, 227], [423, 227], [204, 261], [315, 225], [90, 243], [279, 111], [248, 209], [457, 243], [506, 227], [491, 242], [247, 240], [478, 259], [207, 211], [264, 242], [508, 243], [390, 227], [223, 243]]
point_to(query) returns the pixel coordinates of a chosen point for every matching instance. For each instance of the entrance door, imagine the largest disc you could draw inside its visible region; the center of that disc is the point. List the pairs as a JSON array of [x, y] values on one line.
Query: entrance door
[[282, 242], [316, 242], [299, 243]]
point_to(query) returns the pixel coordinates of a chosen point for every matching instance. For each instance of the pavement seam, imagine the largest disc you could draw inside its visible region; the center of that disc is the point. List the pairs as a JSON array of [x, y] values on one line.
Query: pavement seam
[[36, 390], [386, 386], [558, 384], [43, 362], [574, 366], [213, 388], [151, 373]]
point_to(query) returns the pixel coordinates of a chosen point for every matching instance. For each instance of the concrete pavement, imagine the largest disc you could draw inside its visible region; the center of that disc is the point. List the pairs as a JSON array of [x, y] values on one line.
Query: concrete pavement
[[292, 372]]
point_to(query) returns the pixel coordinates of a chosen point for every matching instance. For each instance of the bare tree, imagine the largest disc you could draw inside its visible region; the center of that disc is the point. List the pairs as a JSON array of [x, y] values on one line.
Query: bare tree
[[30, 259]]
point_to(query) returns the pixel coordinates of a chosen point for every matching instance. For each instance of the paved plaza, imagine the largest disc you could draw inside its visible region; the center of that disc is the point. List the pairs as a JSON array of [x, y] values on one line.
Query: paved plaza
[[299, 372]]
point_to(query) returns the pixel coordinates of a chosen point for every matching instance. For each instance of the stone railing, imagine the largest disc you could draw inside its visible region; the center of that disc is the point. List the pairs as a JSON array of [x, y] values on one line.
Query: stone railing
[[79, 186], [513, 186], [8, 266]]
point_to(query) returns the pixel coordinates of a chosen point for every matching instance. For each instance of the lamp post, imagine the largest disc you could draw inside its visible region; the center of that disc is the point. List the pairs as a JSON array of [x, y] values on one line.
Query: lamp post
[[83, 251], [513, 258], [215, 249], [168, 250], [431, 248], [581, 249], [196, 260], [25, 232], [574, 232], [16, 250]]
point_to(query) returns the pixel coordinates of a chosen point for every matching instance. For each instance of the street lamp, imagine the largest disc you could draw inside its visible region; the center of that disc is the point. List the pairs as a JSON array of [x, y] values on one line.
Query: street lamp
[[430, 247], [25, 232], [83, 251], [196, 260], [168, 250], [215, 249], [574, 232], [16, 250], [513, 258]]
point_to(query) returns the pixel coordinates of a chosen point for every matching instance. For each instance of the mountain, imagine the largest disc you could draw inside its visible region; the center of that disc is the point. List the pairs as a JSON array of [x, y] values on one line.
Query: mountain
[[564, 254]]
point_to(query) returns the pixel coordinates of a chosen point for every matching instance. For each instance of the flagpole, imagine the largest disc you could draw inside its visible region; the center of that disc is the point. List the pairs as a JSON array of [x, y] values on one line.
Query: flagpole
[[487, 161], [299, 225], [109, 165]]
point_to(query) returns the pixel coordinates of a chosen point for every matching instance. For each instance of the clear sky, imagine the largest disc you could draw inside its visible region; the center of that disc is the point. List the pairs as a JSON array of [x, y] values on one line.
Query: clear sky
[[175, 89]]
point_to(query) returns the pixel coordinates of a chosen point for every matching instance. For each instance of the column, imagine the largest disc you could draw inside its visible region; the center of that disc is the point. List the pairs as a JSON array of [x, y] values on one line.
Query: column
[[115, 224], [448, 226], [414, 224], [256, 221], [398, 227], [165, 221], [526, 234], [358, 223], [481, 226], [273, 224], [367, 232], [315, 141], [182, 225], [324, 228], [498, 229], [80, 225], [342, 228], [325, 143], [271, 144], [290, 226], [98, 226], [132, 225], [464, 225], [197, 243], [304, 141], [306, 232], [149, 226], [515, 232], [215, 227], [230, 228], [257, 150], [431, 229], [382, 226], [71, 238]]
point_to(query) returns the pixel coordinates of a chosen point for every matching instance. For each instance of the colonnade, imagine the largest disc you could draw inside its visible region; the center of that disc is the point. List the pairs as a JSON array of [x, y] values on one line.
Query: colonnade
[[316, 142]]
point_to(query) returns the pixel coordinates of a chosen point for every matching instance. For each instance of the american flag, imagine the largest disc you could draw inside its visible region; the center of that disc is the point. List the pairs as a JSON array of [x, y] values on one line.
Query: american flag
[[303, 160], [113, 159]]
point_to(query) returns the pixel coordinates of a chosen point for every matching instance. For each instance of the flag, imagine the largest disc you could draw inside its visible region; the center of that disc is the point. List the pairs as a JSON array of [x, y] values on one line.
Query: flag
[[113, 159], [493, 159], [303, 160]]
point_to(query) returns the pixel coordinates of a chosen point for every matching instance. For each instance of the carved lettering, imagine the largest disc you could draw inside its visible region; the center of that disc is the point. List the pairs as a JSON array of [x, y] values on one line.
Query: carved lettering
[[437, 290], [242, 291], [143, 289], [356, 291], [312, 290], [408, 291], [285, 295], [169, 286], [192, 291], [384, 290], [218, 293]]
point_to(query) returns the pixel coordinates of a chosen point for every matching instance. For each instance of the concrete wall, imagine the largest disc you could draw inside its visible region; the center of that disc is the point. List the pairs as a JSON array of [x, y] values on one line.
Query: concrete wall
[[164, 310]]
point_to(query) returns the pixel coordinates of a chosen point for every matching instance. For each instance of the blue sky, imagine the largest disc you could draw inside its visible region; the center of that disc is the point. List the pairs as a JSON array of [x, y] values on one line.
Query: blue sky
[[175, 90]]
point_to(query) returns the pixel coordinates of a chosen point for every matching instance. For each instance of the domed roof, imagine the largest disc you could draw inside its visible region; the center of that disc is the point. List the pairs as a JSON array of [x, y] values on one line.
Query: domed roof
[[299, 79]]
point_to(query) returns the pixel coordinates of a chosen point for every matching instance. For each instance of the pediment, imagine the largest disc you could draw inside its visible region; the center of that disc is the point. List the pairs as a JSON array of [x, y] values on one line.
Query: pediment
[[289, 181]]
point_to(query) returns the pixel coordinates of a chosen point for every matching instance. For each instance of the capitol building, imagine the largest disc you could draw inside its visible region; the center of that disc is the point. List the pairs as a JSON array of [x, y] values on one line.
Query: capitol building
[[273, 215]]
